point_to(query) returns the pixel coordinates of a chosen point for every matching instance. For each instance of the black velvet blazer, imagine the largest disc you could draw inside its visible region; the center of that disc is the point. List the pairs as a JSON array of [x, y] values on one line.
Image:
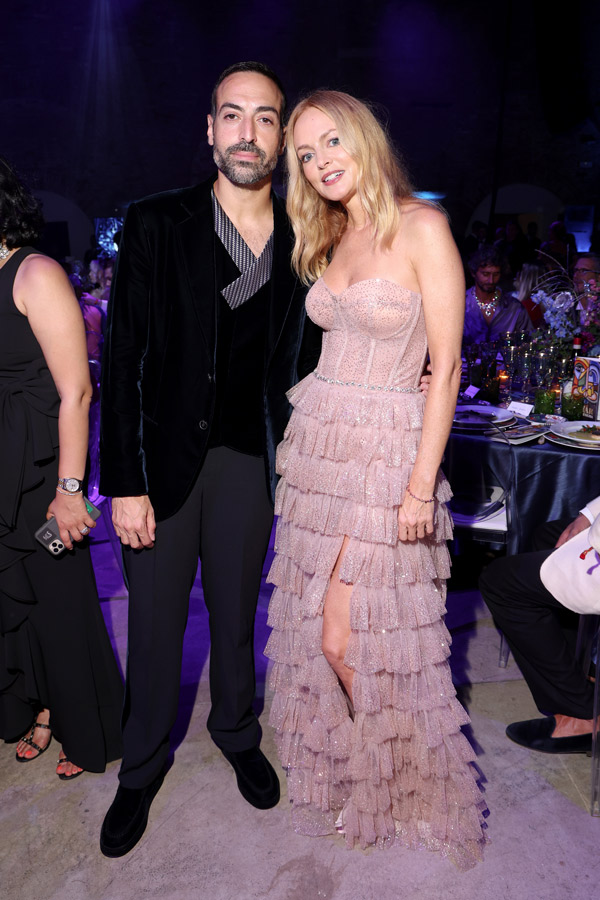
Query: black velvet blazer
[[158, 382]]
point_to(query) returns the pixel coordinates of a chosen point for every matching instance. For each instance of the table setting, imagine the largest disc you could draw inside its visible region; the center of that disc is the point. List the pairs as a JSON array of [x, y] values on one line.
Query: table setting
[[527, 411]]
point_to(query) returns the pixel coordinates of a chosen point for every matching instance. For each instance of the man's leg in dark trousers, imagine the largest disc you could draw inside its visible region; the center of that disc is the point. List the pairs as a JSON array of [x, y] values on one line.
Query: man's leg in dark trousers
[[160, 581], [539, 630], [237, 517]]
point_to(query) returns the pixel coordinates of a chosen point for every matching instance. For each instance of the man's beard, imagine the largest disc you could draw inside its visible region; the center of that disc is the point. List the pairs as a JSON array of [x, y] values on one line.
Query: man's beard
[[244, 171]]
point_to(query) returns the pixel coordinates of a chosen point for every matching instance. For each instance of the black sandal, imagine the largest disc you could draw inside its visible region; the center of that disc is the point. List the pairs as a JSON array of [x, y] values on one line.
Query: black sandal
[[31, 743], [62, 775]]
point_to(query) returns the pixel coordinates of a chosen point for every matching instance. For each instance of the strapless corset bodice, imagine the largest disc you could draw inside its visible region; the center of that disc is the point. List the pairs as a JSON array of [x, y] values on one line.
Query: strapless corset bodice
[[374, 333]]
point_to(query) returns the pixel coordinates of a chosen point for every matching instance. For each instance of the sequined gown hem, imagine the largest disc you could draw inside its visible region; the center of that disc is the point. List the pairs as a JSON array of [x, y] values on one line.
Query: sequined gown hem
[[399, 767]]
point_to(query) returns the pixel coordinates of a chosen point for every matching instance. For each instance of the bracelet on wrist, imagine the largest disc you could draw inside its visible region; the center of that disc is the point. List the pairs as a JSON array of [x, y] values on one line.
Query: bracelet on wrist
[[68, 493], [420, 499]]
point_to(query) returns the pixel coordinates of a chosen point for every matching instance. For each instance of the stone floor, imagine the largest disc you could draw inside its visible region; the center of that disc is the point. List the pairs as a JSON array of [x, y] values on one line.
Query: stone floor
[[204, 841]]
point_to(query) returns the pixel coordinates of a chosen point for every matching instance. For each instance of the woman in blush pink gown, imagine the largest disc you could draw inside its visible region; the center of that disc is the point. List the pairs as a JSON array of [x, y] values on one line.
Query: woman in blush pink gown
[[367, 722]]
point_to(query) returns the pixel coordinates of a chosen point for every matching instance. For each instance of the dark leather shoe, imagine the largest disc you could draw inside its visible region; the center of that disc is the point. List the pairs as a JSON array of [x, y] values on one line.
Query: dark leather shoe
[[126, 820], [256, 777], [536, 735]]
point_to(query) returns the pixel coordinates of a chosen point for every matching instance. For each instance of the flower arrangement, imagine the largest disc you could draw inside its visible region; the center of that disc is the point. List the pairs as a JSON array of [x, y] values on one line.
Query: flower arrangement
[[558, 312], [564, 314]]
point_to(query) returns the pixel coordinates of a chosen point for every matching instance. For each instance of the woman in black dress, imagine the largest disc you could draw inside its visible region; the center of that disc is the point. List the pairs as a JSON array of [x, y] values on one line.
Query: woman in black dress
[[58, 675]]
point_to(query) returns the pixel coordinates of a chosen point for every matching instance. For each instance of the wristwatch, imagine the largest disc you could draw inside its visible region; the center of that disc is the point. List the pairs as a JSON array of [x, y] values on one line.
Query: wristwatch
[[70, 485]]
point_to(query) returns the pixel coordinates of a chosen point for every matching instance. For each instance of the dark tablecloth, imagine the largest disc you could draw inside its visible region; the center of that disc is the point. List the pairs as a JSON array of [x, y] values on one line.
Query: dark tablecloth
[[546, 481]]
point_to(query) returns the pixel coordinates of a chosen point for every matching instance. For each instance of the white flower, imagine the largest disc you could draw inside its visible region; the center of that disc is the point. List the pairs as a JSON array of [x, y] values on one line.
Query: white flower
[[564, 300]]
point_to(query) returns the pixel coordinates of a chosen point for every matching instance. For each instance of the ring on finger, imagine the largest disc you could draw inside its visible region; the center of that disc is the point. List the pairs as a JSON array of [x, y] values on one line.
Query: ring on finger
[[84, 530]]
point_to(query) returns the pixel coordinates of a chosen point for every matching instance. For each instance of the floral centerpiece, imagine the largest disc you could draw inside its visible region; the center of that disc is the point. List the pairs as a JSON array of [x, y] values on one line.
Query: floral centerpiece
[[564, 313]]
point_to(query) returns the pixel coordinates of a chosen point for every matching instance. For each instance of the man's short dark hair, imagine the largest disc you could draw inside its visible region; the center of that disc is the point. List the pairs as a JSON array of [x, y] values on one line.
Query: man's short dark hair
[[485, 256], [260, 69]]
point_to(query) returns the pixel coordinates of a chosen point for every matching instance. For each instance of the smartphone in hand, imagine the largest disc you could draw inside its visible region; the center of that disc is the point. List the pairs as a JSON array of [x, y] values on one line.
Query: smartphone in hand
[[49, 536]]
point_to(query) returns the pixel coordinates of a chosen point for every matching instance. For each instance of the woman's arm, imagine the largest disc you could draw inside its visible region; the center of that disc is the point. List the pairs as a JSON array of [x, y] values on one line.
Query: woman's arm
[[43, 293], [439, 272]]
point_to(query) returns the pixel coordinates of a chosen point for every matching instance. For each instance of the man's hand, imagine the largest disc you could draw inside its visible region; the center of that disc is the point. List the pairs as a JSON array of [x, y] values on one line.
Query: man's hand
[[577, 525], [133, 519]]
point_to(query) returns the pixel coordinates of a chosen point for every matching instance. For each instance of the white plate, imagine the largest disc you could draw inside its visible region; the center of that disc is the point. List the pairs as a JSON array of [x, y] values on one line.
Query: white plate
[[565, 442], [481, 416], [568, 430]]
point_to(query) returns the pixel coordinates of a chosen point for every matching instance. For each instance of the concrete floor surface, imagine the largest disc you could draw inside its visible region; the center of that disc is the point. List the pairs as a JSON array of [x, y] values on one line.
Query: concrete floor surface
[[204, 841]]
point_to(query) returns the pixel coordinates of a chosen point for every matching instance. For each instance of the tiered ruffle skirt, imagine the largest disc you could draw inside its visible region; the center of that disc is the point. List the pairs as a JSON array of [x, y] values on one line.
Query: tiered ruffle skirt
[[398, 765]]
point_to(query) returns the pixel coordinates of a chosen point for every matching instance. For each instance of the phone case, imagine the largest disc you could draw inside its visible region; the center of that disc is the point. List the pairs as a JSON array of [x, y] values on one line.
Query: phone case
[[48, 534]]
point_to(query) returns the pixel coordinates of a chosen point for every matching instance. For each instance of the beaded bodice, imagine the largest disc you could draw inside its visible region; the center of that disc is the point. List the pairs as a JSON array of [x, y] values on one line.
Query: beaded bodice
[[374, 333]]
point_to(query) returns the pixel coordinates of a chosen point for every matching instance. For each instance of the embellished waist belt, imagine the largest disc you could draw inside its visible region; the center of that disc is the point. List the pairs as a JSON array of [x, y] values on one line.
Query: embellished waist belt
[[369, 387]]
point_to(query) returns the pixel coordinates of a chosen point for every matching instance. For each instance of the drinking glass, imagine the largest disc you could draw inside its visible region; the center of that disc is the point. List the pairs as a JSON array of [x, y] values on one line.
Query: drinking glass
[[544, 401], [571, 405]]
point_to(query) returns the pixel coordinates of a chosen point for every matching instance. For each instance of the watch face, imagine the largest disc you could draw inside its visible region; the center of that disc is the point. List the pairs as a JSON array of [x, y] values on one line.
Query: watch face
[[72, 485]]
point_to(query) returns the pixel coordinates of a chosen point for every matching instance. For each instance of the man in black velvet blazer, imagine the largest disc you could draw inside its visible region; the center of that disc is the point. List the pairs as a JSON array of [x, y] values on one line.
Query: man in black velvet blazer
[[206, 333]]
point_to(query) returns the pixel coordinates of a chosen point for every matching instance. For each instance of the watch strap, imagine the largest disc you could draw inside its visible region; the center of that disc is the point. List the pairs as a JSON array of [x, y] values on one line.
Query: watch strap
[[65, 484]]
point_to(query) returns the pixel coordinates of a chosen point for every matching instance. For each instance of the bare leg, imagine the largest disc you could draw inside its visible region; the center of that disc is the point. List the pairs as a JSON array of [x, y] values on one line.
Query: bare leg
[[336, 624]]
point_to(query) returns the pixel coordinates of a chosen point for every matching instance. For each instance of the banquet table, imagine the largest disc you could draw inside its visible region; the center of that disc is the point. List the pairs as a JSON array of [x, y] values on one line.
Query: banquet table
[[545, 481]]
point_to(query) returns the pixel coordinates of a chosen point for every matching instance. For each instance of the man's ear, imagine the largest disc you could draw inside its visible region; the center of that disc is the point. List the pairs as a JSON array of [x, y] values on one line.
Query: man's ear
[[209, 130]]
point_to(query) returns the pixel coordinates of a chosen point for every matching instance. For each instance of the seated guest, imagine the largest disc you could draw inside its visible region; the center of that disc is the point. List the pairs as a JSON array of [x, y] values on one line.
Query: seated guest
[[525, 285], [586, 280], [489, 311], [542, 633]]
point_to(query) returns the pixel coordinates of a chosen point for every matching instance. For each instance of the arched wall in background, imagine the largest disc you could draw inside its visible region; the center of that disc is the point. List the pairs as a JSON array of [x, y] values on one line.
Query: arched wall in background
[[79, 227], [528, 201]]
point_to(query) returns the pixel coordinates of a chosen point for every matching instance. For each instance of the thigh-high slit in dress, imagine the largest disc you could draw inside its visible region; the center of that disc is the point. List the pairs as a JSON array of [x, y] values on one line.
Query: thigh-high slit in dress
[[398, 765]]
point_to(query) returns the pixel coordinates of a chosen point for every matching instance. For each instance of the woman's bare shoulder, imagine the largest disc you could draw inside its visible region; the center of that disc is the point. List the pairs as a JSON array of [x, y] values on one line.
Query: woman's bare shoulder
[[36, 267], [41, 280], [421, 214]]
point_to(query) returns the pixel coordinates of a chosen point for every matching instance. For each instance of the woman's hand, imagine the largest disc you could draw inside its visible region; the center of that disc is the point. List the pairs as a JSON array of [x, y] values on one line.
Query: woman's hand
[[71, 517], [415, 519], [425, 380]]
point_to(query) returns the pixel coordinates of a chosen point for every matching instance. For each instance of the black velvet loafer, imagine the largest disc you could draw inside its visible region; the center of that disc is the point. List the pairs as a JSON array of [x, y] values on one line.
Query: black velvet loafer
[[256, 778], [536, 735], [126, 820]]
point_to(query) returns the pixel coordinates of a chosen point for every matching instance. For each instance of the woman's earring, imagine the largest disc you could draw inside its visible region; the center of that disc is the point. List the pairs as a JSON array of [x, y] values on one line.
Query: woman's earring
[[4, 251]]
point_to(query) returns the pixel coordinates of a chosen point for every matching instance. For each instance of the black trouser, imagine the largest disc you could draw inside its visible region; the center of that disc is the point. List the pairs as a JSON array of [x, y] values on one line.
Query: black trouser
[[226, 520], [540, 631]]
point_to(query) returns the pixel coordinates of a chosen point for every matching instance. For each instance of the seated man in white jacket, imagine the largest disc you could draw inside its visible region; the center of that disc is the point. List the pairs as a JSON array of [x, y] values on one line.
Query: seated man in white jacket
[[541, 633]]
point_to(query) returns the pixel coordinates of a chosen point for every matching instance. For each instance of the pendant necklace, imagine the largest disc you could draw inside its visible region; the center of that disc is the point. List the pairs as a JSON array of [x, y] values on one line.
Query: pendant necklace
[[487, 306]]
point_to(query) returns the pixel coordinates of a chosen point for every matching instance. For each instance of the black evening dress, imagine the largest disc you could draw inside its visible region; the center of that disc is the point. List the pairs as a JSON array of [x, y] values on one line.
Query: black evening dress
[[54, 647]]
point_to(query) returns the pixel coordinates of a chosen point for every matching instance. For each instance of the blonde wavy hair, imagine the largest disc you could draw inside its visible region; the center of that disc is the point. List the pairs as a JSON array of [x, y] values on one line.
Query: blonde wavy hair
[[382, 183]]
